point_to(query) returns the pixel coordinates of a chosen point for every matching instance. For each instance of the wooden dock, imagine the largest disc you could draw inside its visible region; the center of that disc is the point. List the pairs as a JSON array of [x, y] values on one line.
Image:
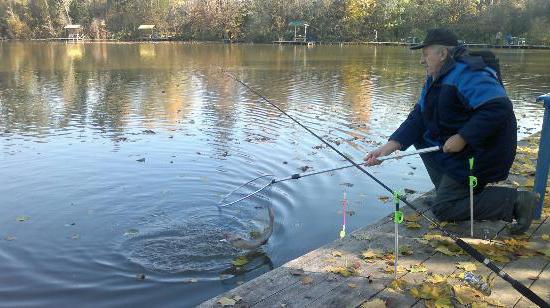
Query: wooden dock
[[306, 43], [358, 270]]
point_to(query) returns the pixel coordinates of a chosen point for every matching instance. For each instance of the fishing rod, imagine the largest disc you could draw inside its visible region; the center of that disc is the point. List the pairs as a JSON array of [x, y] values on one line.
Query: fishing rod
[[522, 289], [381, 158]]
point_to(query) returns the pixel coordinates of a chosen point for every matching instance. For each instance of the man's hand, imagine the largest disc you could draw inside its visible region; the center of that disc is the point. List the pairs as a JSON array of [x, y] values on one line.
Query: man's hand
[[388, 148], [454, 144]]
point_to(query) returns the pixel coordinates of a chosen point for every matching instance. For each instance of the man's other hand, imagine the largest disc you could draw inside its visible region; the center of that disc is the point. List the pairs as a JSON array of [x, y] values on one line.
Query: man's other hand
[[388, 148], [454, 144]]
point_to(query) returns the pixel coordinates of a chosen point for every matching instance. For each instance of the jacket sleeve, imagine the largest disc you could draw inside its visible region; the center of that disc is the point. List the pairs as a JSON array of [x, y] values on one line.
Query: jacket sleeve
[[488, 103], [411, 130]]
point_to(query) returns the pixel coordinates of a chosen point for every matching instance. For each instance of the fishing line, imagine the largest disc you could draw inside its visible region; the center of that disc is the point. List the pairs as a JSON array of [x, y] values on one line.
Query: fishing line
[[522, 289]]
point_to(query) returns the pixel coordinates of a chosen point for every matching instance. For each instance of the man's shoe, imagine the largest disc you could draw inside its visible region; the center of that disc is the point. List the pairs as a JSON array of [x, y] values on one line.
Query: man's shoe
[[524, 207]]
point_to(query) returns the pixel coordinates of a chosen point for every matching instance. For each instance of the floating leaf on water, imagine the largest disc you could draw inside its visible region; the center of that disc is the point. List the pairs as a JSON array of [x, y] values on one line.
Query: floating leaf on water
[[22, 218], [306, 280], [352, 285], [375, 303], [141, 160], [384, 199], [240, 261], [225, 301], [140, 276], [9, 238], [467, 266], [75, 236], [131, 232]]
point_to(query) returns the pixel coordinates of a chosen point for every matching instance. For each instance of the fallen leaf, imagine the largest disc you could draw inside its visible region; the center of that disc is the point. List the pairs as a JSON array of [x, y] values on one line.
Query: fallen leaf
[[418, 268], [545, 252], [306, 280], [465, 295], [375, 303], [140, 276], [406, 250], [384, 198], [240, 261], [545, 237], [412, 218], [339, 270], [398, 284], [445, 250], [22, 218], [297, 271], [237, 298], [336, 253], [370, 254], [467, 266], [141, 160], [413, 225], [435, 278], [224, 301], [533, 278], [352, 285], [479, 305], [9, 238]]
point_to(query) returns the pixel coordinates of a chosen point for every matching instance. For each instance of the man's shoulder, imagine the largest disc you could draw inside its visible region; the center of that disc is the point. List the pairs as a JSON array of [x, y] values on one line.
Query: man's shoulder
[[464, 73]]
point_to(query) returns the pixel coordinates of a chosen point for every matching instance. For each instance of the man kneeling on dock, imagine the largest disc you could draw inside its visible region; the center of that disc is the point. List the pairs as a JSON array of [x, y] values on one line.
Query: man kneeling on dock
[[464, 108]]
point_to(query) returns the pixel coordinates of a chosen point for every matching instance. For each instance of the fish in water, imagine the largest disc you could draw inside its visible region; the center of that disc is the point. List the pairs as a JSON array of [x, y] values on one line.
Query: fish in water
[[257, 241]]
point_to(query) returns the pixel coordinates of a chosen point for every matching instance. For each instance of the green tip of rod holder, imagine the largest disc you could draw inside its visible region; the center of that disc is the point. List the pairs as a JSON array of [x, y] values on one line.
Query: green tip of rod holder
[[471, 161]]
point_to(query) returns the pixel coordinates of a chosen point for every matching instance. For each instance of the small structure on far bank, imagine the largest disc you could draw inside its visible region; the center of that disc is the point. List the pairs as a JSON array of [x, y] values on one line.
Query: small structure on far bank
[[74, 32], [146, 32], [298, 39]]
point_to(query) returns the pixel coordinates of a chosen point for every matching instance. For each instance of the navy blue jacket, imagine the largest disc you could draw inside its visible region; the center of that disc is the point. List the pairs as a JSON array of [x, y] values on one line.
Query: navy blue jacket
[[468, 99]]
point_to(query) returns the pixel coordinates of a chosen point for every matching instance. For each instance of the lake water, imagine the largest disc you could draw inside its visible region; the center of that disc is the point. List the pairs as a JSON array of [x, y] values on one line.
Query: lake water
[[113, 158]]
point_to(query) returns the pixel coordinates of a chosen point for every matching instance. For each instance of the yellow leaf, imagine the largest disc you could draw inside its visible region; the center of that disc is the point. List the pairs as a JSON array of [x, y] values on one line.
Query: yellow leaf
[[398, 284], [435, 278], [307, 280], [415, 293], [545, 237], [545, 252], [418, 268], [352, 285], [406, 250], [467, 266], [339, 270], [443, 302], [412, 218], [390, 269], [413, 225], [465, 295], [370, 254], [445, 250], [240, 261], [224, 301], [479, 305], [336, 253], [384, 198], [375, 303]]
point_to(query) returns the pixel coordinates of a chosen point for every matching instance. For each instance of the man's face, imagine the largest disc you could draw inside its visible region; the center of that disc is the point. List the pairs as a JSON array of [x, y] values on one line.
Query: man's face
[[432, 59]]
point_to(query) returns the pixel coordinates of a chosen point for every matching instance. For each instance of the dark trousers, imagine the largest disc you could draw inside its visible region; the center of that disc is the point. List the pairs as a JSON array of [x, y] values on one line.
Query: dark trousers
[[452, 198]]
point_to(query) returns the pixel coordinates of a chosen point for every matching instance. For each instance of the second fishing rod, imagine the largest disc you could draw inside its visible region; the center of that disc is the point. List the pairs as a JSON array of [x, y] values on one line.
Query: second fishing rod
[[461, 243]]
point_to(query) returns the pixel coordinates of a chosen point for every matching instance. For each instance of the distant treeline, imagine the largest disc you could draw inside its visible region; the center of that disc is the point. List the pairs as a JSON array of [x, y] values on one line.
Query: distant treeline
[[266, 20]]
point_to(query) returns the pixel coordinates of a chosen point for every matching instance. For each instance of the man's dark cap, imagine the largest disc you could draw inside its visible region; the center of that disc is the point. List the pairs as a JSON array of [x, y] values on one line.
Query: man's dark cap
[[438, 36]]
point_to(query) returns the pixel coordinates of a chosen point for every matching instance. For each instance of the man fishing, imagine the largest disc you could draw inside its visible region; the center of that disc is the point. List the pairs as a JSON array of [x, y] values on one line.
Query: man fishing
[[464, 109]]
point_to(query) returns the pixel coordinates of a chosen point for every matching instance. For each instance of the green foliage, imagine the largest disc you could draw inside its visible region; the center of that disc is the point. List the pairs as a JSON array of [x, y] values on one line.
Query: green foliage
[[267, 20]]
